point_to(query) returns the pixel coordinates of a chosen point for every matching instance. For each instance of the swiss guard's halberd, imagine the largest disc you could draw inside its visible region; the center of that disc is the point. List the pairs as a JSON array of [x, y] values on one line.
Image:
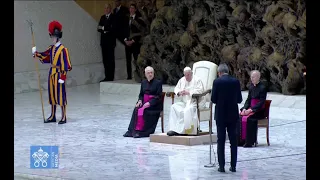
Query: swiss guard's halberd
[[58, 57]]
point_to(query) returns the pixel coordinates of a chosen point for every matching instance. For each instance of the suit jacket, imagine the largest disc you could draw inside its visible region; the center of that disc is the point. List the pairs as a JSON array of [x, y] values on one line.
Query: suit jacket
[[107, 35], [135, 30], [226, 94], [121, 19]]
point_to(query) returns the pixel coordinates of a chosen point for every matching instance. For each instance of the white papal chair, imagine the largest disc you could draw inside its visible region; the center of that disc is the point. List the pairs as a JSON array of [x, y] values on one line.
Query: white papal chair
[[207, 72]]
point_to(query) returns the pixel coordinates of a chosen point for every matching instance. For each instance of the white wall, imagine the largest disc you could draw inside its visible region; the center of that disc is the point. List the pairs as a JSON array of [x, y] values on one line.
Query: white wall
[[79, 36]]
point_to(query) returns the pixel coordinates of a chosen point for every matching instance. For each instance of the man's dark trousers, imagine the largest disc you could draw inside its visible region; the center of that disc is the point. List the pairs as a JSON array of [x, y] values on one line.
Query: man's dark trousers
[[108, 61], [134, 51], [231, 127]]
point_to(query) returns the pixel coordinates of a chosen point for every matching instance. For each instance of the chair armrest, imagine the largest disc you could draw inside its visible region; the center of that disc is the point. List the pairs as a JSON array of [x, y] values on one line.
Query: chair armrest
[[170, 94], [202, 94]]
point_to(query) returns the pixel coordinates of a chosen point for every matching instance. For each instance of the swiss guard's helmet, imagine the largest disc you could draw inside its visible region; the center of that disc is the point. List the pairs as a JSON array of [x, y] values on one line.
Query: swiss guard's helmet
[[55, 29]]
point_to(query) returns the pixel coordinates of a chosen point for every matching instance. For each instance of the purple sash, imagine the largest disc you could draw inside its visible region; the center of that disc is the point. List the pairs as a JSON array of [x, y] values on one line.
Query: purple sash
[[140, 120], [244, 119]]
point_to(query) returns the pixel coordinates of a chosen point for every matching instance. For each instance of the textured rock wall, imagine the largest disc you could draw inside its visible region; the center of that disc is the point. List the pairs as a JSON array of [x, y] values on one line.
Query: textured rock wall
[[269, 36]]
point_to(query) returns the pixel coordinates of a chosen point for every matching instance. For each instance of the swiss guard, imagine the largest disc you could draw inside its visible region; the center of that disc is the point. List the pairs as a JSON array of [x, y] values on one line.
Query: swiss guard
[[58, 57]]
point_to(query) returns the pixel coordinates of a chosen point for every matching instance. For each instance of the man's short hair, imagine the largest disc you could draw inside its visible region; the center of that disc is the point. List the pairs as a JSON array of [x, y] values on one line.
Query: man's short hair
[[187, 69], [108, 5], [149, 68], [134, 5], [223, 68], [255, 71]]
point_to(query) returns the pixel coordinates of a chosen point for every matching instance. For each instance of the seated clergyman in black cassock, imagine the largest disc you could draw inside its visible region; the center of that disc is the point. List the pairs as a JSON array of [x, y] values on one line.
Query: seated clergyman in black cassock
[[146, 113], [252, 111]]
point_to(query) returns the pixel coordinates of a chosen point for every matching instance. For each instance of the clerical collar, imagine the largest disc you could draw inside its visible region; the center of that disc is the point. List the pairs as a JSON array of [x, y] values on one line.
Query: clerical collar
[[57, 44], [150, 80], [256, 84]]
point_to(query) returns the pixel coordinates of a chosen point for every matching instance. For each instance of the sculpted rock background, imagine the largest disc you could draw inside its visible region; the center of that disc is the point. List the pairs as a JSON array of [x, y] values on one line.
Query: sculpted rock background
[[269, 36]]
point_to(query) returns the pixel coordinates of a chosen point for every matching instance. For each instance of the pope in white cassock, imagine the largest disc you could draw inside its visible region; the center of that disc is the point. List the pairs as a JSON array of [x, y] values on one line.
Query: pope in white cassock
[[183, 118]]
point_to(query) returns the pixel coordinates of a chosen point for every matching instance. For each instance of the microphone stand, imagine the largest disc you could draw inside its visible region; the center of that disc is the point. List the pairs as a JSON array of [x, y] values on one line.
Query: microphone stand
[[210, 165]]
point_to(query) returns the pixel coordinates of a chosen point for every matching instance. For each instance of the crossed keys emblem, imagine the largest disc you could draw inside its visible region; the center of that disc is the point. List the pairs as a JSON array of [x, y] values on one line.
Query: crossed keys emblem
[[40, 156]]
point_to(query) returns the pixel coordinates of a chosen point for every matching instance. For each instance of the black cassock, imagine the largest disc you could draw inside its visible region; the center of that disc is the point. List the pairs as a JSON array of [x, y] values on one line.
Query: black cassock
[[256, 100], [151, 114]]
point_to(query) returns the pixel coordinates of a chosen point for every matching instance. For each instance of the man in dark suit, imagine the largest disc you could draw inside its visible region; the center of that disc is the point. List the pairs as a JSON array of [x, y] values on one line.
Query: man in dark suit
[[226, 94], [133, 39], [107, 42], [121, 14]]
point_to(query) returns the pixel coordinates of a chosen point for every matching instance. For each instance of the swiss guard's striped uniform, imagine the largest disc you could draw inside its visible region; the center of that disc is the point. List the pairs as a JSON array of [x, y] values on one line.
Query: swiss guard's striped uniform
[[58, 57]]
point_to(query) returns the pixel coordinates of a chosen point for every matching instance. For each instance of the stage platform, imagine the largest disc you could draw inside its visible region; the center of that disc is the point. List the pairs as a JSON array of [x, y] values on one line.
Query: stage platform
[[183, 140]]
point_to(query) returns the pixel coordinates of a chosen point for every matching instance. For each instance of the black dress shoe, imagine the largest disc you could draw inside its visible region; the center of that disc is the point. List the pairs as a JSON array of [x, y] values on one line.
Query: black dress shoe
[[62, 121], [128, 78], [104, 80], [247, 145], [232, 169], [241, 143], [50, 121], [127, 134], [221, 169], [172, 133]]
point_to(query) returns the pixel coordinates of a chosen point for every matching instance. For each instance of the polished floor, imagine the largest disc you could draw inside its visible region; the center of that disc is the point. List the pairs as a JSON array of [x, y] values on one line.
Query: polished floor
[[92, 146]]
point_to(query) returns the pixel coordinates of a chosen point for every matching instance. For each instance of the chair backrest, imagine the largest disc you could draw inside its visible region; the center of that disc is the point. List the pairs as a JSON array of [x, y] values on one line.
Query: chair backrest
[[207, 72], [267, 108]]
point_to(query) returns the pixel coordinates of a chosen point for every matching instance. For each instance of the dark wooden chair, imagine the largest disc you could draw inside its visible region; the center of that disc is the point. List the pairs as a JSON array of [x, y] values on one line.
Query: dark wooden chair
[[161, 113], [264, 123]]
